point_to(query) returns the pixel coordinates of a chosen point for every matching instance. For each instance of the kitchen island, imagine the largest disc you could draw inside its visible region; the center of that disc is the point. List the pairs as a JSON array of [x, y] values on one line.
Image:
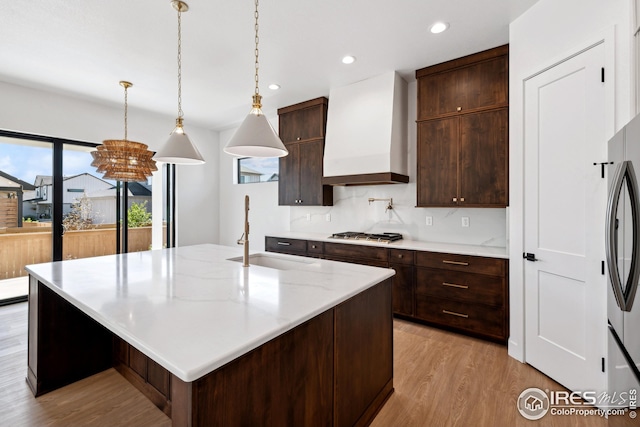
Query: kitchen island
[[288, 342]]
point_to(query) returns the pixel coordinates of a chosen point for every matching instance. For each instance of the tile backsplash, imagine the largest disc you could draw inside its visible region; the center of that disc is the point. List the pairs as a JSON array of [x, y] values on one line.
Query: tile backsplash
[[353, 212]]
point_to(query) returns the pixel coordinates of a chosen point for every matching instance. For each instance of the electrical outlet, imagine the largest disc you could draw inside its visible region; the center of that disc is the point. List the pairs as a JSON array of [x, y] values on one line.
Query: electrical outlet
[[327, 217], [308, 217], [465, 221], [429, 220]]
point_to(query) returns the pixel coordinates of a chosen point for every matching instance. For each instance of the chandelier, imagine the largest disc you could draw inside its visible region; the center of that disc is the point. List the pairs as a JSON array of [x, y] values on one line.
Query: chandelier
[[121, 159]]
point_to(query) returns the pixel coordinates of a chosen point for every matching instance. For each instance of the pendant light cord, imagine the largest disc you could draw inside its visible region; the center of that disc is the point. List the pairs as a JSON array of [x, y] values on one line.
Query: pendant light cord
[[180, 113], [126, 104], [257, 52]]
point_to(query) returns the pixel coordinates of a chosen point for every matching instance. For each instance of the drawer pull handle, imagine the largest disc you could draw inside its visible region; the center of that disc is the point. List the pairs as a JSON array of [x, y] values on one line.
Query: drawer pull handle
[[453, 285], [454, 262], [453, 313], [284, 243]]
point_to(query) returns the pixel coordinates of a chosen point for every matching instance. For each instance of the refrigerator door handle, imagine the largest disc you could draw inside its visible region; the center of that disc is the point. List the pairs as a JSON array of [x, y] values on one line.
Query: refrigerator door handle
[[623, 299]]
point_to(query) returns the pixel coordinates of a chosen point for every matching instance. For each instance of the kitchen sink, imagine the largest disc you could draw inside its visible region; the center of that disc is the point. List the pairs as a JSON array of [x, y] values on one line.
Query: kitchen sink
[[277, 263]]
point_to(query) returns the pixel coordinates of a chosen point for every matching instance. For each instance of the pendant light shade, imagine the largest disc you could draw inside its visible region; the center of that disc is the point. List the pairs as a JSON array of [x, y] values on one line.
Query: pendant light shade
[[179, 149], [256, 137], [121, 159]]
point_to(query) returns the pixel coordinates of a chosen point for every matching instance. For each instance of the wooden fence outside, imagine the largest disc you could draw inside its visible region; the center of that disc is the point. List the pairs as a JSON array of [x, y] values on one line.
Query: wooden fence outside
[[20, 249]]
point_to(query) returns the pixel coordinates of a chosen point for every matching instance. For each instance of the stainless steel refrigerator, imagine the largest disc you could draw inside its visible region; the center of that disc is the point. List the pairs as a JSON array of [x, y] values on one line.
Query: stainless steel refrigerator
[[623, 261]]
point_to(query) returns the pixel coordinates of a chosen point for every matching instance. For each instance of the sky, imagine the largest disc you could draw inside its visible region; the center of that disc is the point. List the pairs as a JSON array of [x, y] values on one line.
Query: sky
[[27, 161]]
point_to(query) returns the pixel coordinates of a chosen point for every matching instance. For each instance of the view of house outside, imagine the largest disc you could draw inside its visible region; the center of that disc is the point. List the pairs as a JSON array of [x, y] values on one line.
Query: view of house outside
[[88, 205], [253, 169]]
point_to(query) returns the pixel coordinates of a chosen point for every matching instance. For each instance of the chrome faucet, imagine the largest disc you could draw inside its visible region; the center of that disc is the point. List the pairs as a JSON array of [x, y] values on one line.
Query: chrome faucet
[[244, 239]]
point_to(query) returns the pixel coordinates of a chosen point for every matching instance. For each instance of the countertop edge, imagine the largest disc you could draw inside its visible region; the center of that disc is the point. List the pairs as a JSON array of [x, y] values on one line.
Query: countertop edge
[[406, 244]]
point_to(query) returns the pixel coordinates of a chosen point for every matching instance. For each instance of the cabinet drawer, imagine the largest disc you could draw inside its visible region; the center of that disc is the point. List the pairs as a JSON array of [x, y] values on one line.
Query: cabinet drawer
[[468, 287], [471, 317], [402, 256], [467, 263], [286, 246], [349, 252], [315, 248]]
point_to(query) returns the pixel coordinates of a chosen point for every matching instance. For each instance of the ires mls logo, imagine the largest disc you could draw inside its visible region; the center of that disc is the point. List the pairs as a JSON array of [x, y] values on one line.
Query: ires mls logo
[[533, 403]]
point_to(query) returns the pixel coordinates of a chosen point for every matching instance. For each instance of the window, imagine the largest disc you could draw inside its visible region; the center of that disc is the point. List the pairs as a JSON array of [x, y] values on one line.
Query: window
[[253, 169]]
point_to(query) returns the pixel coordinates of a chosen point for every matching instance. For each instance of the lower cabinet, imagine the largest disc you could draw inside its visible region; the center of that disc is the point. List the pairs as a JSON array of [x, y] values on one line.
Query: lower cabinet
[[460, 292]]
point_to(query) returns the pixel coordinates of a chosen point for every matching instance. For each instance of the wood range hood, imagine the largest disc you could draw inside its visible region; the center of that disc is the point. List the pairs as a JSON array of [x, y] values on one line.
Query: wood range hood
[[366, 138]]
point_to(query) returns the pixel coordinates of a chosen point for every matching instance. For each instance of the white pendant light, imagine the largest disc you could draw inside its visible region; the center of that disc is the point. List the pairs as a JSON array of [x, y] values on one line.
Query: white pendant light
[[179, 149], [256, 137]]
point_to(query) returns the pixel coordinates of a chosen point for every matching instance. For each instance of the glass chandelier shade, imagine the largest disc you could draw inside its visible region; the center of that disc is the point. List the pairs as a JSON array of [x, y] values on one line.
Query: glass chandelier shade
[[179, 149], [256, 137], [121, 159]]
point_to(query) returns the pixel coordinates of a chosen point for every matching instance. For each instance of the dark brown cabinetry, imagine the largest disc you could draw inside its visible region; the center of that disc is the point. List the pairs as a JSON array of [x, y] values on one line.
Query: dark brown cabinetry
[[460, 292], [302, 129], [335, 369], [464, 292], [463, 131], [402, 261]]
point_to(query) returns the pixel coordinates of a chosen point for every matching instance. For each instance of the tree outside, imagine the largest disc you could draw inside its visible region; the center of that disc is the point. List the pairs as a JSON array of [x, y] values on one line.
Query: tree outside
[[137, 215]]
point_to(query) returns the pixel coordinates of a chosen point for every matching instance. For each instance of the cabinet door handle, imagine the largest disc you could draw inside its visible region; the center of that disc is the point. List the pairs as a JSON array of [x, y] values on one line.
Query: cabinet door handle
[[459, 108], [313, 246], [298, 139], [400, 256], [453, 313], [284, 243], [455, 199], [462, 199], [444, 261], [453, 285]]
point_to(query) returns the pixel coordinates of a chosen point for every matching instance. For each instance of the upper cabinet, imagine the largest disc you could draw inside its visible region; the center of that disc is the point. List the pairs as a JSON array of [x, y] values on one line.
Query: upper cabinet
[[463, 131], [302, 130]]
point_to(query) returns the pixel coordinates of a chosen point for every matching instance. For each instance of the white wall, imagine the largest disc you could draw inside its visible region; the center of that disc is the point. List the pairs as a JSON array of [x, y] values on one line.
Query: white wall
[[265, 216], [351, 211], [52, 114], [545, 34]]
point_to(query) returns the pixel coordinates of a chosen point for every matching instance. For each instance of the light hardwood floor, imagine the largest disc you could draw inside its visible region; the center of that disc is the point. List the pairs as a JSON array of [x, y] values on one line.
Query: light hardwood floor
[[440, 378]]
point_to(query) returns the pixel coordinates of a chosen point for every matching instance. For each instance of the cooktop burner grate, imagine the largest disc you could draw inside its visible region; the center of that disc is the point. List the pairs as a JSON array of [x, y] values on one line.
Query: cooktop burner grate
[[374, 237]]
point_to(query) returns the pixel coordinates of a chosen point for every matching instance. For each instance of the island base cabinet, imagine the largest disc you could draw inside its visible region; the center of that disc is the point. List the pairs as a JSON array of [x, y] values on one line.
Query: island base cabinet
[[284, 382], [333, 370], [64, 345]]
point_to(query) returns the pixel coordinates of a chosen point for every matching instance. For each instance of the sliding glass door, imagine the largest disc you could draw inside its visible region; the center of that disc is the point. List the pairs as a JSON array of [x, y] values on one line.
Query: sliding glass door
[[25, 211], [54, 206]]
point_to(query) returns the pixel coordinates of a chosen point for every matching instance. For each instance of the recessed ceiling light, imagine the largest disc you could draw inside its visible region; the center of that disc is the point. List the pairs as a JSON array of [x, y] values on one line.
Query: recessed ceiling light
[[274, 86], [348, 59], [439, 27]]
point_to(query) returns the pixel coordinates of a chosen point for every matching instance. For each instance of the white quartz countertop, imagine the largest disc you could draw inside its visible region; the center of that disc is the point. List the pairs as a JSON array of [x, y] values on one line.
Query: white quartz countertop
[[451, 248], [192, 310]]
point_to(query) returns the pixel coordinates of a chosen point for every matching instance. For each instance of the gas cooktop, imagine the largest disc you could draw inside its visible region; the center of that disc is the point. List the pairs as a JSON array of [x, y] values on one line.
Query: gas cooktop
[[372, 237]]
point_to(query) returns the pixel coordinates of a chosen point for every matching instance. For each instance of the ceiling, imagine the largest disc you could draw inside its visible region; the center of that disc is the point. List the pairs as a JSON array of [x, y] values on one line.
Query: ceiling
[[85, 47]]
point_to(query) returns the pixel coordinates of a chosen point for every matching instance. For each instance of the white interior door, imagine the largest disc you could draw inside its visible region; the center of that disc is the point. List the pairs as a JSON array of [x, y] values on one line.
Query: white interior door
[[565, 203]]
